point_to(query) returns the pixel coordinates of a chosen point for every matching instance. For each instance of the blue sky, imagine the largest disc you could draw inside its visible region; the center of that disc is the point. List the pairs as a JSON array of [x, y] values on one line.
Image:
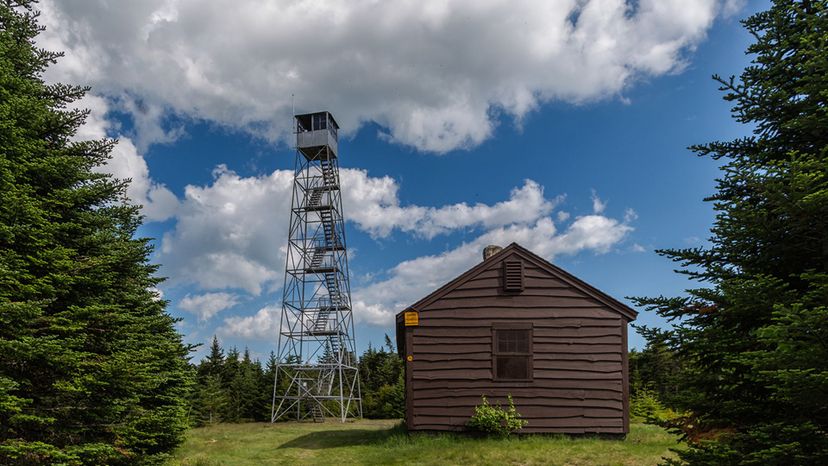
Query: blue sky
[[589, 170]]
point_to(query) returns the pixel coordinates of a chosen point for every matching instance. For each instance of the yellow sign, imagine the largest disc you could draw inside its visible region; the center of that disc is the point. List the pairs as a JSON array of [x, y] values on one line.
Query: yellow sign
[[412, 318]]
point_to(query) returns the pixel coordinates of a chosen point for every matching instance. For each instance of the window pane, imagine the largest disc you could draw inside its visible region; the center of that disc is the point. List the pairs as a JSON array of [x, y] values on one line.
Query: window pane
[[512, 367], [513, 341], [319, 121], [522, 343]]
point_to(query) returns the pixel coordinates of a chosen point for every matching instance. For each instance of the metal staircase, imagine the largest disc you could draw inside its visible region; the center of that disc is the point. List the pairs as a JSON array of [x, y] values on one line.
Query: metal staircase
[[317, 414], [328, 228], [329, 172], [315, 198], [317, 258], [321, 319]]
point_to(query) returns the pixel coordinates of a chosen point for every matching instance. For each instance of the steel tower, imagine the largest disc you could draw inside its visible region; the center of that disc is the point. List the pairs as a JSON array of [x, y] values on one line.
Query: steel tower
[[317, 373]]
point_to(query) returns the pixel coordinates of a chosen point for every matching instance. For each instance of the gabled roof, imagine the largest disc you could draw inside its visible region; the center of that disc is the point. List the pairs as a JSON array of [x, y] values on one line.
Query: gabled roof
[[542, 263]]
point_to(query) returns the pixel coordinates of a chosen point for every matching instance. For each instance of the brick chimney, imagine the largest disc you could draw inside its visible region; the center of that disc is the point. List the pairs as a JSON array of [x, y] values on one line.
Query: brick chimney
[[490, 251]]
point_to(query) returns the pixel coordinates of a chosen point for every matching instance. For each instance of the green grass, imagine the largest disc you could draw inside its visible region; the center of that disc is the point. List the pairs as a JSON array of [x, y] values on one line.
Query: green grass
[[385, 442]]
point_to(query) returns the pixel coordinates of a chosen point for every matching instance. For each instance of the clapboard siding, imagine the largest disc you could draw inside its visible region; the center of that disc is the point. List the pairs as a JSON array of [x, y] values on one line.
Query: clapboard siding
[[532, 429], [454, 363], [486, 374], [528, 291], [486, 331], [523, 392], [524, 304], [613, 385], [532, 411], [578, 347], [580, 422], [460, 348], [613, 407], [487, 355], [556, 322]]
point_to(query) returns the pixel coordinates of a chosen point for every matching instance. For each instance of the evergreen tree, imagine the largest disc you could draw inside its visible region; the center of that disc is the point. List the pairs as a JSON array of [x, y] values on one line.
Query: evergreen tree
[[754, 341], [266, 387], [270, 367], [262, 394], [327, 356], [213, 364], [234, 388], [656, 368], [92, 370], [230, 371], [210, 402], [383, 387], [245, 388]]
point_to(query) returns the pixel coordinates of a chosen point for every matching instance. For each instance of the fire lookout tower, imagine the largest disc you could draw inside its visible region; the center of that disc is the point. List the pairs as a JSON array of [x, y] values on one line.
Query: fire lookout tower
[[317, 374]]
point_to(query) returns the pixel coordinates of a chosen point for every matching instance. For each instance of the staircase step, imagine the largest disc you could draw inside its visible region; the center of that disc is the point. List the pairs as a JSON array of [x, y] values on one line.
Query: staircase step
[[317, 414]]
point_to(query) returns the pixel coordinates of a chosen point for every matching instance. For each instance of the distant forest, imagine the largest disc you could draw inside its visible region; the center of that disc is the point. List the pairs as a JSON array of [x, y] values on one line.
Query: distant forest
[[233, 387]]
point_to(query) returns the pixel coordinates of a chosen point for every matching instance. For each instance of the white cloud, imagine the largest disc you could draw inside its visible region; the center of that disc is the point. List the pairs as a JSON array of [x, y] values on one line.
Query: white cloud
[[731, 7], [598, 205], [592, 232], [206, 305], [159, 203], [437, 75], [228, 234], [232, 234], [263, 324], [147, 118], [373, 204]]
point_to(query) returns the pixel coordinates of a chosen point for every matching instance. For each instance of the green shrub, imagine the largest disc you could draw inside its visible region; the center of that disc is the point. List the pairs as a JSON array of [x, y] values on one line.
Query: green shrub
[[494, 420], [645, 406], [385, 402]]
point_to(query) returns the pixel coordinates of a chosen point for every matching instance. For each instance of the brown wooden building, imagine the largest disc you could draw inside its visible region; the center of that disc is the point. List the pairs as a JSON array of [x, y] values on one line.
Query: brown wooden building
[[516, 324]]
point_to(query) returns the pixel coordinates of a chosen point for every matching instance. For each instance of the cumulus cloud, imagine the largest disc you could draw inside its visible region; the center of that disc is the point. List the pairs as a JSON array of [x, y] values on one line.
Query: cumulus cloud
[[436, 75], [148, 120], [230, 234], [373, 204], [262, 325], [206, 305], [159, 203]]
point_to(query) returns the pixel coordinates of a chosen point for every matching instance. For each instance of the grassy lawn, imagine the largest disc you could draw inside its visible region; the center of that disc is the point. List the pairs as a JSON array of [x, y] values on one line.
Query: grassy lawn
[[384, 442]]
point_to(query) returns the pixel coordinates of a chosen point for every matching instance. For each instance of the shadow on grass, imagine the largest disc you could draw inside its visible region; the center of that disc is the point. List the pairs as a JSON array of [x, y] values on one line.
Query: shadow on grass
[[343, 438]]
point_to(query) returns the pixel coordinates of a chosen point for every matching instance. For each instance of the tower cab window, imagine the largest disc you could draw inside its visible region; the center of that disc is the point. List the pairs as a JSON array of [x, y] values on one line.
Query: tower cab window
[[320, 121]]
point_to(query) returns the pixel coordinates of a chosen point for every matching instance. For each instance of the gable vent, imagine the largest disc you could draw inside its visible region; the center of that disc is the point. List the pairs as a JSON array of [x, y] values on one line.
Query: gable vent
[[513, 275]]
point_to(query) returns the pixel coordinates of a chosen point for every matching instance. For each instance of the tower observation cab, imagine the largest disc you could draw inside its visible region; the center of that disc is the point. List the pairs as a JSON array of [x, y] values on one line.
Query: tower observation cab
[[315, 131]]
